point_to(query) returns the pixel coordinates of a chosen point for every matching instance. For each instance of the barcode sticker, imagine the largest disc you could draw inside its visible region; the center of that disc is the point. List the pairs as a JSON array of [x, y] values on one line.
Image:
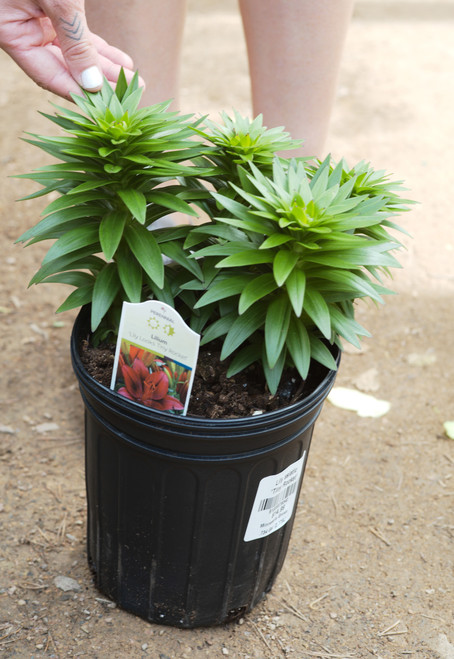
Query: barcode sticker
[[274, 501]]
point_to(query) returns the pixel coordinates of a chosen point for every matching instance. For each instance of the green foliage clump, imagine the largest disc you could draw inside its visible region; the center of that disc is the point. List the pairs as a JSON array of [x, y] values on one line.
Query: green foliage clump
[[116, 176], [274, 274]]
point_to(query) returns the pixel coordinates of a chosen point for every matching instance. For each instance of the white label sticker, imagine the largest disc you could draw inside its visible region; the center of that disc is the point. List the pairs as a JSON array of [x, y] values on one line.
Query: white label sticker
[[274, 501]]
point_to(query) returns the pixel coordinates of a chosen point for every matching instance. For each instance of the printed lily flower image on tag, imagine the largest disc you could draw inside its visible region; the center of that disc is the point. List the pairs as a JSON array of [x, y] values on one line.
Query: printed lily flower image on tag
[[155, 358], [151, 379]]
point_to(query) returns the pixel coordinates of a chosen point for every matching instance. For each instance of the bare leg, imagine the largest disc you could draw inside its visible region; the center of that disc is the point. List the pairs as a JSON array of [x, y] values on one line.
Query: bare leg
[[151, 32], [294, 49]]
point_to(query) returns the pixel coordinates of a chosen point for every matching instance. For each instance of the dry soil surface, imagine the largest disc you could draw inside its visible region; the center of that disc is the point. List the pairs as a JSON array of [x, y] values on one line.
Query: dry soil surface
[[369, 571]]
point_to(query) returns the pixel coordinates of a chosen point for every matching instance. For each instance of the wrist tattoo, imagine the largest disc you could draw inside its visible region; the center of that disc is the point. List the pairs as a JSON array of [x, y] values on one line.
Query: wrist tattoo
[[73, 29]]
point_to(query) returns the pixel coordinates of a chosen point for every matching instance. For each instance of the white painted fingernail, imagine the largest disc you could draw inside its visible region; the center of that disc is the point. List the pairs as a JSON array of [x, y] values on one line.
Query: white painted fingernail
[[91, 78]]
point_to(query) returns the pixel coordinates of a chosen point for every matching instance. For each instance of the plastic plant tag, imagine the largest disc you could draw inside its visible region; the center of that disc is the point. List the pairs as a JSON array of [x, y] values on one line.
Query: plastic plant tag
[[274, 501], [156, 356]]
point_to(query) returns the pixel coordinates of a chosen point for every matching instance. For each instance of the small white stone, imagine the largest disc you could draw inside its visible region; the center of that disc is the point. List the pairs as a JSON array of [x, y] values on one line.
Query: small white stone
[[46, 427], [38, 330], [66, 584], [15, 300], [368, 380], [422, 359]]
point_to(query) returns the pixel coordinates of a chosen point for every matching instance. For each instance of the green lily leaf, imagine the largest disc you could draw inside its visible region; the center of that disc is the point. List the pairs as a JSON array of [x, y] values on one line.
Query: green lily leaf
[[172, 202], [316, 307], [222, 289], [58, 219], [249, 257], [273, 375], [73, 278], [256, 290], [130, 273], [283, 265], [242, 328], [174, 251], [346, 327], [275, 240], [135, 202], [244, 358], [146, 250], [299, 347], [82, 259], [89, 185], [296, 287], [277, 323], [67, 201], [80, 238], [322, 354], [111, 232], [78, 298], [105, 290], [219, 328]]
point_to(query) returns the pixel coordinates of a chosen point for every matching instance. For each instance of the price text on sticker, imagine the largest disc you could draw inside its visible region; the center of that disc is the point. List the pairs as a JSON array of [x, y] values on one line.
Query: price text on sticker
[[274, 501]]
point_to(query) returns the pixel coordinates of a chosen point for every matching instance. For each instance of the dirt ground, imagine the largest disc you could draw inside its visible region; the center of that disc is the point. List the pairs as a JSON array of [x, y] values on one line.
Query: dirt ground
[[369, 571]]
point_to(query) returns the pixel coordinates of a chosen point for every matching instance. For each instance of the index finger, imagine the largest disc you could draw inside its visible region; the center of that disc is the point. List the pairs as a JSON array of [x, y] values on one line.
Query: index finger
[[74, 38]]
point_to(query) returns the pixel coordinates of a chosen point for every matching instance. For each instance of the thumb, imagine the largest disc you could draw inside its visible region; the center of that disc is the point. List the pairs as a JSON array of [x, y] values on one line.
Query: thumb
[[74, 38]]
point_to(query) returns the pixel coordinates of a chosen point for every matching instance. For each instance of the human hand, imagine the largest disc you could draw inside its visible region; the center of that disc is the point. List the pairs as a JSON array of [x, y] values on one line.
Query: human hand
[[51, 42]]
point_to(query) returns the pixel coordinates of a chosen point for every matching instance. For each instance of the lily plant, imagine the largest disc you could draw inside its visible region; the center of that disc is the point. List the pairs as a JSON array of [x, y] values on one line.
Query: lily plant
[[274, 273]]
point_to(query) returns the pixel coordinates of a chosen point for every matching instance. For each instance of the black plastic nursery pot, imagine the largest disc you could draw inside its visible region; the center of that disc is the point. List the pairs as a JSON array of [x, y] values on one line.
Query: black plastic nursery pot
[[189, 519]]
